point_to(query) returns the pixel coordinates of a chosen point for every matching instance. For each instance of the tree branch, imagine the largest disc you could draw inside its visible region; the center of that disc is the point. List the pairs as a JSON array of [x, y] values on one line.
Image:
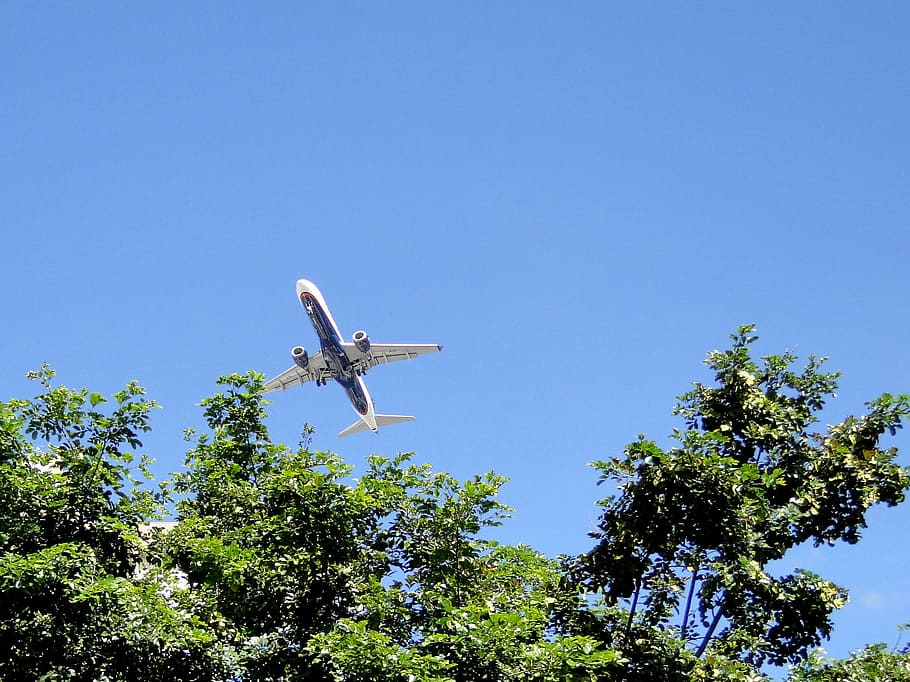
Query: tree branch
[[710, 633], [634, 606], [685, 620]]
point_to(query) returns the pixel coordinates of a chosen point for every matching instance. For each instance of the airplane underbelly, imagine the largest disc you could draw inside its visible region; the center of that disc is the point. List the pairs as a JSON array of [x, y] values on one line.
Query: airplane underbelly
[[355, 393]]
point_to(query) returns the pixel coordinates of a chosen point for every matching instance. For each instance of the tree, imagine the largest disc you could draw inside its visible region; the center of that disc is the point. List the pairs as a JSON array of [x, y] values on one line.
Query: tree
[[270, 540], [874, 663], [318, 576], [447, 604], [684, 544], [78, 599], [281, 565]]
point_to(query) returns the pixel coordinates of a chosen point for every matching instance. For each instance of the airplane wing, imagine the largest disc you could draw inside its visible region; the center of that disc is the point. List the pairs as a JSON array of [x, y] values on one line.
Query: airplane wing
[[384, 353], [295, 376]]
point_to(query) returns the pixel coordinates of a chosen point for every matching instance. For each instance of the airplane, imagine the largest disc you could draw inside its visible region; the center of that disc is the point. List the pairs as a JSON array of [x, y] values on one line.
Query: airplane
[[346, 363]]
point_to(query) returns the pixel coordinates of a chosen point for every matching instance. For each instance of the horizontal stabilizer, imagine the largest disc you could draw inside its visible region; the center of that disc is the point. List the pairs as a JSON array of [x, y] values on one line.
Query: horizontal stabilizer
[[381, 420], [389, 419]]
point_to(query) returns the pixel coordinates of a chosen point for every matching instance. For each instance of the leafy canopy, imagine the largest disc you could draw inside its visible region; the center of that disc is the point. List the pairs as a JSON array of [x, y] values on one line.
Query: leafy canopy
[[280, 564], [686, 540]]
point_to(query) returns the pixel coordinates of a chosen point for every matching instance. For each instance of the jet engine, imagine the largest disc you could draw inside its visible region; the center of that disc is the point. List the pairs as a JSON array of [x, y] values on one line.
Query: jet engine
[[300, 357], [362, 341]]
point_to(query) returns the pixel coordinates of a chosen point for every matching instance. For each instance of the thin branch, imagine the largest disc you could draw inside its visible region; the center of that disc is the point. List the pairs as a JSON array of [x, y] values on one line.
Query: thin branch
[[685, 620], [710, 633], [634, 606]]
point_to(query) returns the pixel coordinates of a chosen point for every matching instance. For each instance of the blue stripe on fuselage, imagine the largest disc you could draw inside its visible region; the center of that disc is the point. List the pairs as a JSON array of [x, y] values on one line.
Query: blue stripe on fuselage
[[321, 322], [333, 352], [330, 344]]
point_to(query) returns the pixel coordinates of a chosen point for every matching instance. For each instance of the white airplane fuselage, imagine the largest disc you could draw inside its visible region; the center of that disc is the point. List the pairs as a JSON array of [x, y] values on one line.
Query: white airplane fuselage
[[333, 351]]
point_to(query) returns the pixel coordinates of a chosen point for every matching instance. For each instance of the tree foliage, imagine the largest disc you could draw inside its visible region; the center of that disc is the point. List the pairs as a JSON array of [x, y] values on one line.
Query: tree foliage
[[686, 542], [325, 577], [282, 565], [875, 662], [78, 599]]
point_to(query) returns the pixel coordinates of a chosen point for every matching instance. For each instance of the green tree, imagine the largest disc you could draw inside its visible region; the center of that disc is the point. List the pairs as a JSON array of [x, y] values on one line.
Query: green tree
[[78, 598], [283, 566], [685, 543], [316, 575], [462, 607], [269, 539], [874, 663]]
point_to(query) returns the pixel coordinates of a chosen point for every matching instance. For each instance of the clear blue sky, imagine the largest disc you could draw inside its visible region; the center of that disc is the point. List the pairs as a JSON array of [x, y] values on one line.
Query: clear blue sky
[[579, 200]]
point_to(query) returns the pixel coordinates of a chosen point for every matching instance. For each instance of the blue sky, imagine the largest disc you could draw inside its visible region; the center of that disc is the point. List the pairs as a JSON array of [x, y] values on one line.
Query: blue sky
[[579, 201]]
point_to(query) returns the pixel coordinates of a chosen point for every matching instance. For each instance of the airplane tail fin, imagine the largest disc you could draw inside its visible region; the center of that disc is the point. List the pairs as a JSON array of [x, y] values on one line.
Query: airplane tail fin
[[381, 420]]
